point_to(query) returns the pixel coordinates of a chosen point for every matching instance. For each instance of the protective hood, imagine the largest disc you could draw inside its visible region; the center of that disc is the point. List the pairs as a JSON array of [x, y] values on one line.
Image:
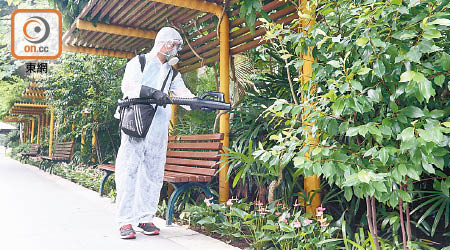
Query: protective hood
[[165, 35]]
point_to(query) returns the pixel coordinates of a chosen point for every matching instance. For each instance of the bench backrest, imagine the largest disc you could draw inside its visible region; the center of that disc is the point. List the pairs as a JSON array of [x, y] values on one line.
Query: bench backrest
[[63, 150], [34, 149], [194, 154]]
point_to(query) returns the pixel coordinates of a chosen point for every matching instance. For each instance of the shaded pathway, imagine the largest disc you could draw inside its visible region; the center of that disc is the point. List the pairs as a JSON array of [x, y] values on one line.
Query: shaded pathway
[[42, 211]]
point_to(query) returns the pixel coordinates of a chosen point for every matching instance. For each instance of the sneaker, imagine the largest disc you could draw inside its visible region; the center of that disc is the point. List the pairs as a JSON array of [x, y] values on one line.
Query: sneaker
[[127, 232], [149, 228]]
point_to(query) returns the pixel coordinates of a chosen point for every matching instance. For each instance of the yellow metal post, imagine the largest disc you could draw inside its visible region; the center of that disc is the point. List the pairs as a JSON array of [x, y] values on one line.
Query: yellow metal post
[[39, 129], [311, 183], [173, 120], [94, 142], [32, 131], [225, 118], [50, 140]]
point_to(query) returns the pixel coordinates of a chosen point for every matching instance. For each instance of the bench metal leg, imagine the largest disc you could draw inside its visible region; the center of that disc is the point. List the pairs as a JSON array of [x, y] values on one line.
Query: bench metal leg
[[49, 164], [105, 178], [51, 167], [176, 193], [42, 164]]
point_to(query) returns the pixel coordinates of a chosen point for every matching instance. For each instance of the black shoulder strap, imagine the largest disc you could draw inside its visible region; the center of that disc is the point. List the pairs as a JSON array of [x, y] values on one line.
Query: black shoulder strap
[[175, 73], [142, 61]]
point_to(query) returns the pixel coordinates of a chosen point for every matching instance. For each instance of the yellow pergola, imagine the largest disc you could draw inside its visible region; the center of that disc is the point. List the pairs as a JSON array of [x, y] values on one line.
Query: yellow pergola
[[124, 28], [34, 112]]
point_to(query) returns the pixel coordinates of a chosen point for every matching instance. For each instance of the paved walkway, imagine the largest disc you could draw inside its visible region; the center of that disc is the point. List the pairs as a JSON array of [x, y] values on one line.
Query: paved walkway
[[42, 211]]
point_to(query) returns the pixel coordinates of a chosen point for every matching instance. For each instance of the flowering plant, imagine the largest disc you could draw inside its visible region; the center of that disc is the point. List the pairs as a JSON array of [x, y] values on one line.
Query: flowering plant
[[265, 226]]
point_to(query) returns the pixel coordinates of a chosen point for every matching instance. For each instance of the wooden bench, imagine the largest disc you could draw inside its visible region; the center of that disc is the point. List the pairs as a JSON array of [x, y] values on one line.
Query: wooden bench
[[34, 151], [63, 153], [191, 161]]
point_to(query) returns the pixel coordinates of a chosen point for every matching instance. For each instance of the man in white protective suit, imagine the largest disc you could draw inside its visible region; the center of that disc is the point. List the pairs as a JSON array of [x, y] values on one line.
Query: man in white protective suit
[[140, 162]]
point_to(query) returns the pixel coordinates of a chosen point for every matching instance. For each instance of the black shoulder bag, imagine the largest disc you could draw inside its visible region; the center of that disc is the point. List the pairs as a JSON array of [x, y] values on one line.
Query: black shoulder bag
[[135, 119]]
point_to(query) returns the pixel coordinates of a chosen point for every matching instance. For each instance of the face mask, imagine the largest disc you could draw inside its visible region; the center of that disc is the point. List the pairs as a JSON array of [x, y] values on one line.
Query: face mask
[[171, 57]]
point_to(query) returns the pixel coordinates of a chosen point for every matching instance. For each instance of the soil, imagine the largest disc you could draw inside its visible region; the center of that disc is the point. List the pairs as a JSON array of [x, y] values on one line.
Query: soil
[[239, 243]]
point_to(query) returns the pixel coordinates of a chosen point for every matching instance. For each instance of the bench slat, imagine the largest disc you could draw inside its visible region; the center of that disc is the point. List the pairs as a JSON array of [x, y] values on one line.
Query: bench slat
[[198, 145], [205, 137], [183, 177], [195, 154], [190, 170], [190, 162], [109, 167]]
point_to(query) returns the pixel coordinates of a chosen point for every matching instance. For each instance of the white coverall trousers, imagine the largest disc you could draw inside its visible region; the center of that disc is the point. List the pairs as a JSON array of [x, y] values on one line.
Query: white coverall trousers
[[140, 171]]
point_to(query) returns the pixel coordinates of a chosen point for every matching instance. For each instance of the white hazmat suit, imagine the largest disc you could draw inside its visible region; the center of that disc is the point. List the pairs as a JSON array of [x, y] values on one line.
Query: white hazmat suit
[[140, 162]]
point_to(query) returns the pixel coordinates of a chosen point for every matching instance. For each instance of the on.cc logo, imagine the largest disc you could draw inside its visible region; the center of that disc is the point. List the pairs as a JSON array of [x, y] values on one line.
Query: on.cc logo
[[36, 34]]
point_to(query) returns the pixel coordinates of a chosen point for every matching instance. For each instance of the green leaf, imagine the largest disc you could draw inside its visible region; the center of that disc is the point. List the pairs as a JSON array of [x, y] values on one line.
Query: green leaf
[[356, 85], [431, 135], [426, 89], [447, 124], [396, 2], [413, 112], [362, 41], [338, 107], [363, 71], [378, 68], [418, 77], [407, 133], [407, 76], [414, 54], [352, 131], [379, 186], [378, 43], [374, 130], [439, 80], [435, 114], [351, 180], [441, 21], [431, 33], [402, 169], [334, 63], [428, 167], [404, 35], [363, 176], [404, 195], [383, 155], [348, 193], [445, 61]]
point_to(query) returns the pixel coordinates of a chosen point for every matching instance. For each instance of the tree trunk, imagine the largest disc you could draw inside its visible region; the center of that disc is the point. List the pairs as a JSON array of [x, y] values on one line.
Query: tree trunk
[[371, 218], [274, 184], [402, 223]]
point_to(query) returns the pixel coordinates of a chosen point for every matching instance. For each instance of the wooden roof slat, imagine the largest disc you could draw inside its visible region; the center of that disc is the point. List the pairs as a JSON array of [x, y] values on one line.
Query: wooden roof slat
[[130, 15], [123, 43], [99, 6], [126, 8], [140, 15], [168, 15], [161, 11], [117, 8], [107, 8], [94, 37]]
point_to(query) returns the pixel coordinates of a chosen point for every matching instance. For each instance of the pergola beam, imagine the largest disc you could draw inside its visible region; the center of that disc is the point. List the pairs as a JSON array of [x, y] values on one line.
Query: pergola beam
[[33, 105], [100, 52], [115, 29]]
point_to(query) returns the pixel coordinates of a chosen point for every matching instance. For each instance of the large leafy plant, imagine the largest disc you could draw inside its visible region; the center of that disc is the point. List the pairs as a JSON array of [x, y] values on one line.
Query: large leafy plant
[[377, 102]]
